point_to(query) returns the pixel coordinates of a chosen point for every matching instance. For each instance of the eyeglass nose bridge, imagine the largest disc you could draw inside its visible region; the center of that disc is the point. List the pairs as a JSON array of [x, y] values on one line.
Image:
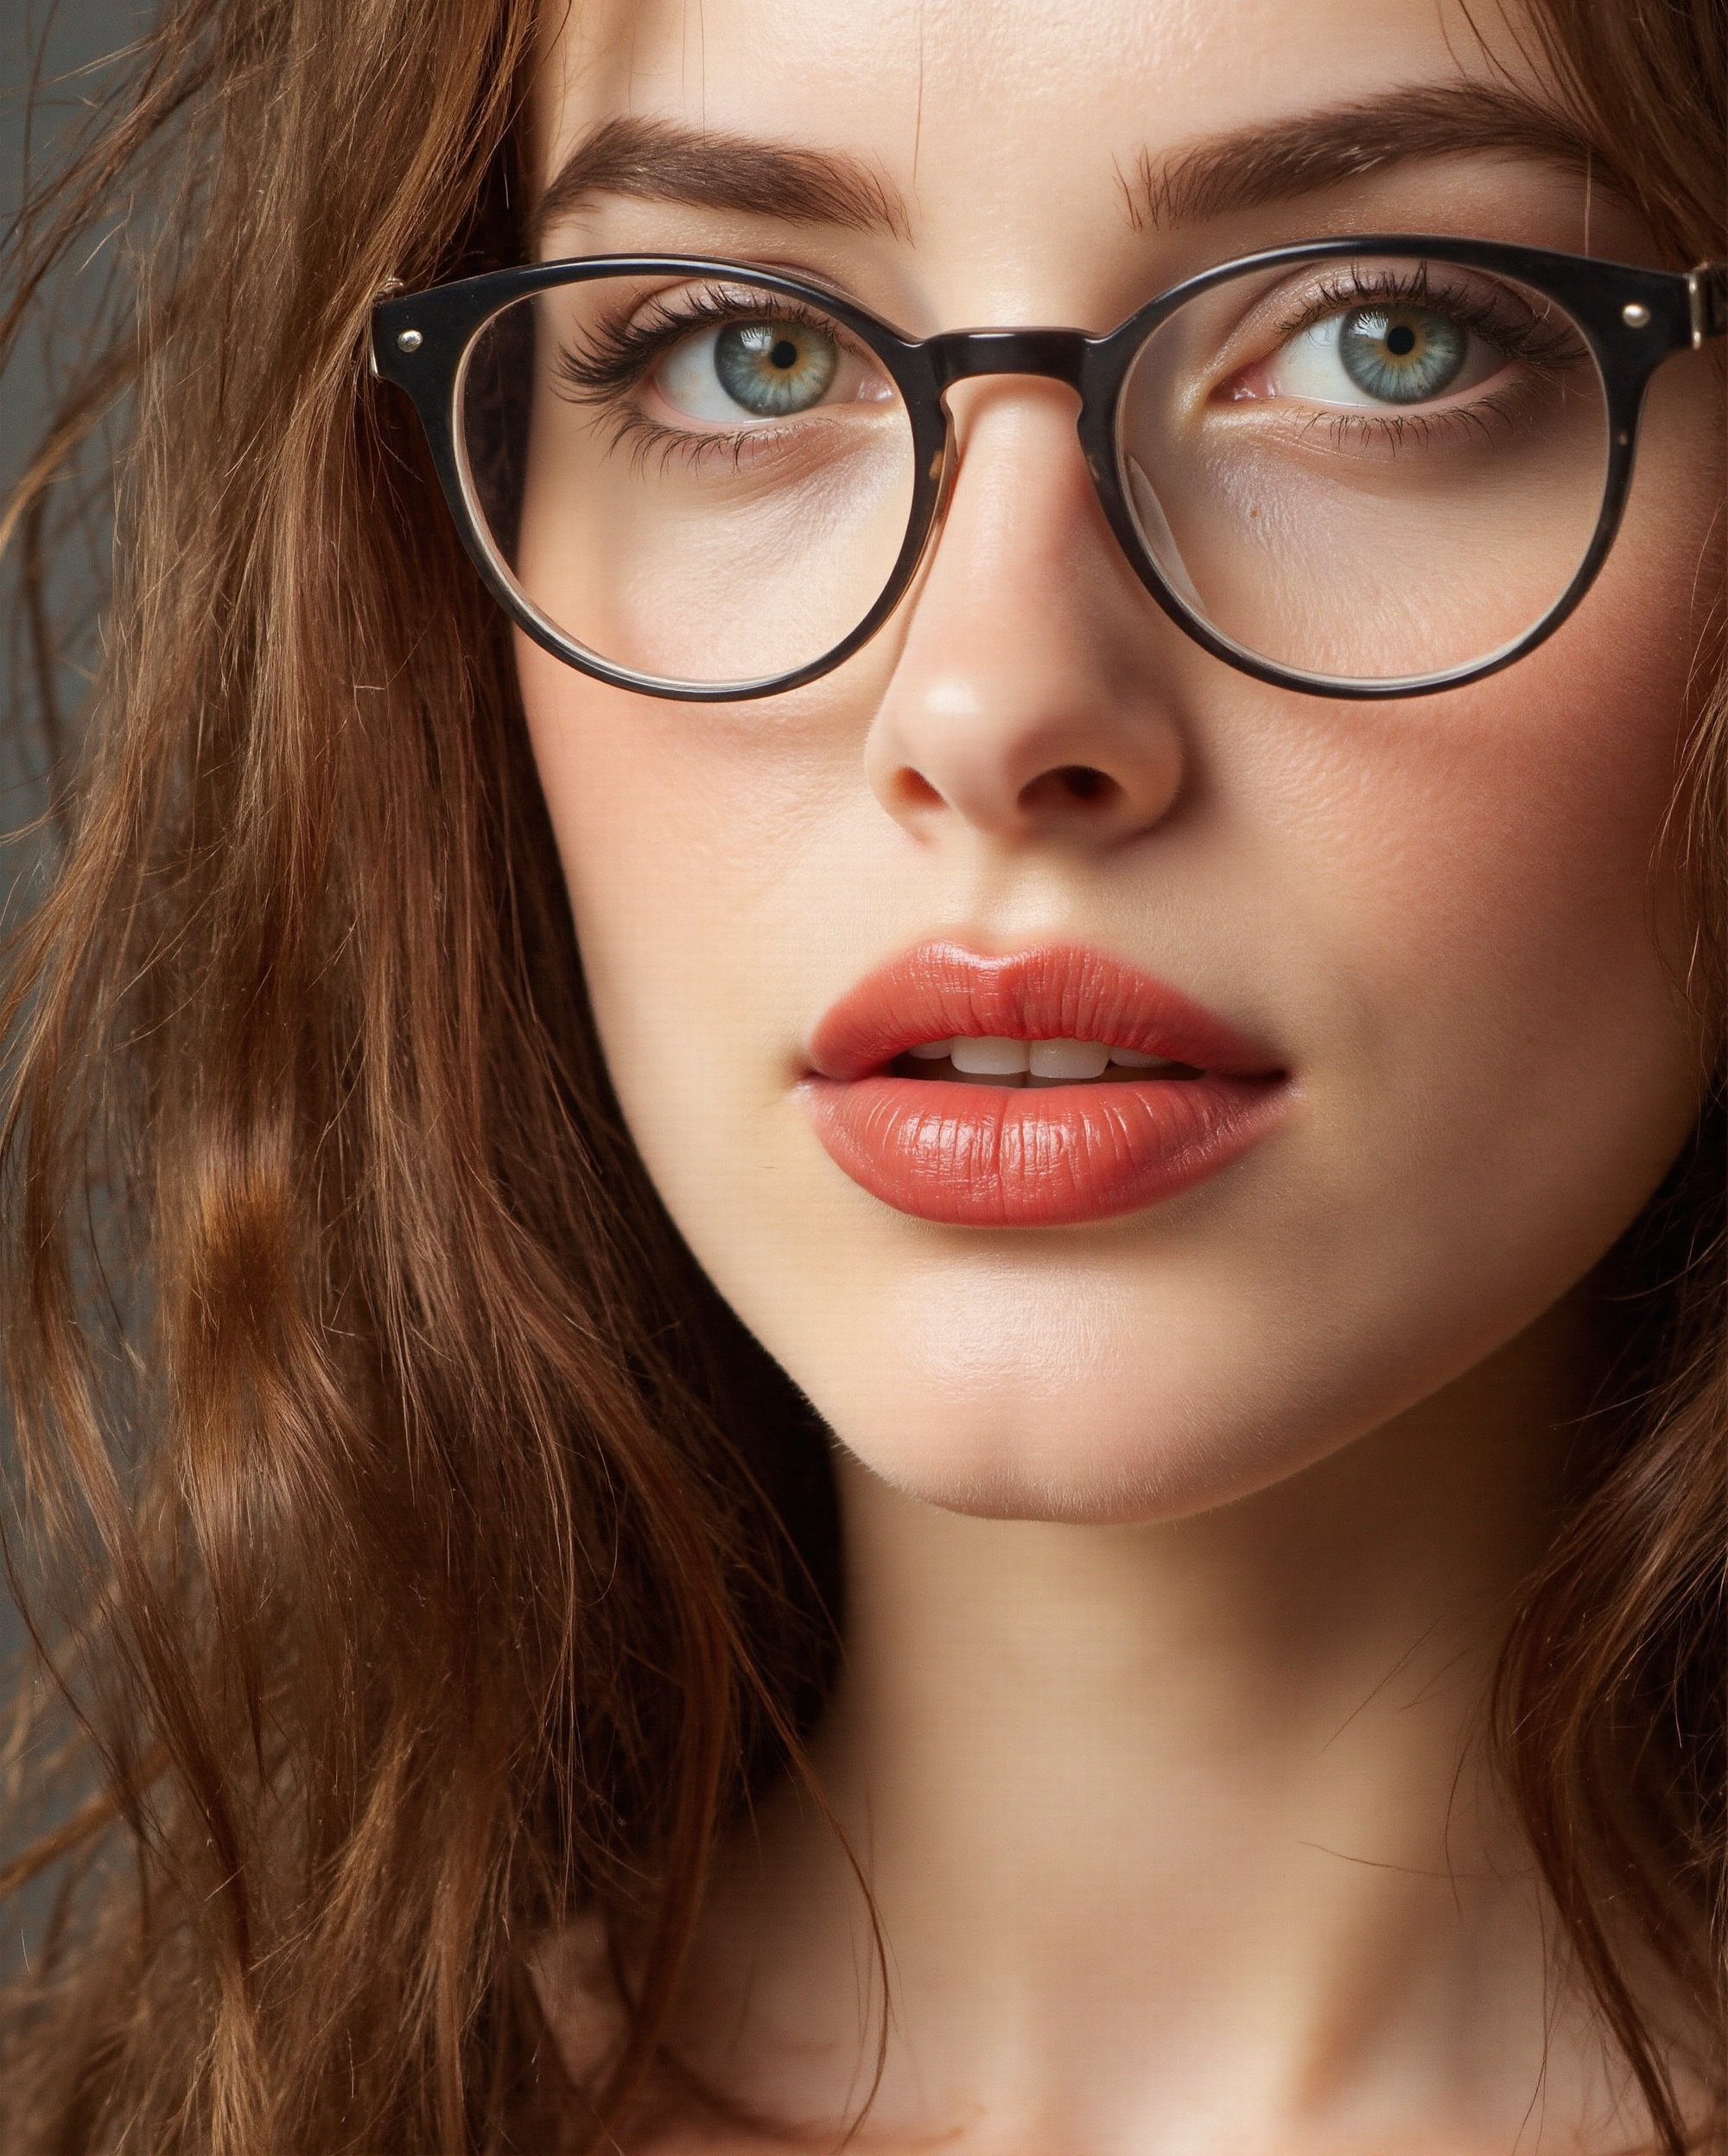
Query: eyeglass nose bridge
[[961, 355], [1068, 356]]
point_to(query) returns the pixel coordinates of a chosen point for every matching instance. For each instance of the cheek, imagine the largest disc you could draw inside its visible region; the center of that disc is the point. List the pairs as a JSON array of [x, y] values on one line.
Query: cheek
[[1502, 1059], [692, 841], [1514, 919], [1485, 940]]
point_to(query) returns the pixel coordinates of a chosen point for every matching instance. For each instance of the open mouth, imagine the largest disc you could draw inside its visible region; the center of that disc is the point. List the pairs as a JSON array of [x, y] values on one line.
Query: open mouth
[[918, 1076], [994, 1060]]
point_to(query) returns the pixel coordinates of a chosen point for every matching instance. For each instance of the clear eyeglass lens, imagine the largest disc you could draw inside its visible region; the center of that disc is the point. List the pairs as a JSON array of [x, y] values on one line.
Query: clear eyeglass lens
[[1366, 470], [699, 482]]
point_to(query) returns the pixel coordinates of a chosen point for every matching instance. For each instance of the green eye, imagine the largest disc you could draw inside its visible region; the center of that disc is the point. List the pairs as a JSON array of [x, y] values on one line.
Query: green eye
[[1402, 354], [773, 368]]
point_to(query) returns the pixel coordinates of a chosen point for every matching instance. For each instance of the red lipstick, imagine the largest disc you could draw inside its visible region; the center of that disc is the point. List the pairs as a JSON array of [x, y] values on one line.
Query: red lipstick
[[1001, 1155]]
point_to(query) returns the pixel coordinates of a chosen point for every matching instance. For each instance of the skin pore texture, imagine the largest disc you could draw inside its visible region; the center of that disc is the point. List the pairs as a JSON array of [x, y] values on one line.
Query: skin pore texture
[[1178, 1544]]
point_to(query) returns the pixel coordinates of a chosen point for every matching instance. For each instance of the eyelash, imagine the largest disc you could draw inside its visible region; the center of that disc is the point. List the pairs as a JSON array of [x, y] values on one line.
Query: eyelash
[[621, 354], [1547, 352]]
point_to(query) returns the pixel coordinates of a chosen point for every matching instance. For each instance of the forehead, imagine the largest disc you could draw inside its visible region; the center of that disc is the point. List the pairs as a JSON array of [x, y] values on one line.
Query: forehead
[[997, 113]]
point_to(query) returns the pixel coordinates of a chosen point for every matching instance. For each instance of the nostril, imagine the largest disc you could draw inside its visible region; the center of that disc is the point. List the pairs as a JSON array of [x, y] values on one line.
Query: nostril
[[911, 789], [1083, 782], [1068, 782]]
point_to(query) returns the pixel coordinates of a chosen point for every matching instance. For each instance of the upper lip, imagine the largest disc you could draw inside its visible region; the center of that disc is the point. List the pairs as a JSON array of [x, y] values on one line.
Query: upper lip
[[1055, 992]]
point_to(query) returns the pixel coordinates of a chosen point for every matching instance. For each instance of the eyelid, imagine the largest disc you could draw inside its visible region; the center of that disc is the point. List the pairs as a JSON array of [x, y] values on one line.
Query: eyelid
[[1488, 307], [624, 351]]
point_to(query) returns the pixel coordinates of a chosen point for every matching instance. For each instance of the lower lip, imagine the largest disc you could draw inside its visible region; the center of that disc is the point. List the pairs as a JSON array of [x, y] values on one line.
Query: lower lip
[[976, 1156]]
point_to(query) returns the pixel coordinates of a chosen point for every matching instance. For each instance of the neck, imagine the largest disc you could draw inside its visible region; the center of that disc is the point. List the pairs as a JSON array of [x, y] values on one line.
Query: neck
[[1179, 1834]]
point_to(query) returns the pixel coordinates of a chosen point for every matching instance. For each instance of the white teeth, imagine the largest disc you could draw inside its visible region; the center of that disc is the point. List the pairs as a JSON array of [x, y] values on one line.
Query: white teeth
[[1068, 1058], [987, 1055], [991, 1056]]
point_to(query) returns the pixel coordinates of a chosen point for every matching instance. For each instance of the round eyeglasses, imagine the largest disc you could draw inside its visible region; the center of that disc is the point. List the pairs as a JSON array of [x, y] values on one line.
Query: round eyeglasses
[[1363, 467]]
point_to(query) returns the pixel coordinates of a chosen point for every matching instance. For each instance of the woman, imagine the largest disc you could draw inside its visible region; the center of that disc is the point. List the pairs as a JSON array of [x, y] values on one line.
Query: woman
[[623, 1572]]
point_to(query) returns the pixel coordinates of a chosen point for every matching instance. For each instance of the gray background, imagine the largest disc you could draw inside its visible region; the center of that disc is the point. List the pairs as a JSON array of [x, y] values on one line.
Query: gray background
[[56, 45]]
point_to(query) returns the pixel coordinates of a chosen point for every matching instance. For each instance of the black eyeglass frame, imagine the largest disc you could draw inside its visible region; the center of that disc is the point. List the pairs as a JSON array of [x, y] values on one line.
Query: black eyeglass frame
[[1632, 320]]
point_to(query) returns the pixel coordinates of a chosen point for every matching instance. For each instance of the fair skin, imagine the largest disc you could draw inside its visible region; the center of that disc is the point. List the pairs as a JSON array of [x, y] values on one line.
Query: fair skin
[[1178, 1543]]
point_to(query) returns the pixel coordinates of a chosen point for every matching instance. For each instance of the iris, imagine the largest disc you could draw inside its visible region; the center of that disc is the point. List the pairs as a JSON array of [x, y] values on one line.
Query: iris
[[773, 369], [1401, 355]]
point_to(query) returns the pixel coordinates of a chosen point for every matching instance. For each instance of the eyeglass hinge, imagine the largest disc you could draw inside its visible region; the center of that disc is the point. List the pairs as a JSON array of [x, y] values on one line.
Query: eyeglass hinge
[[1708, 295], [389, 285]]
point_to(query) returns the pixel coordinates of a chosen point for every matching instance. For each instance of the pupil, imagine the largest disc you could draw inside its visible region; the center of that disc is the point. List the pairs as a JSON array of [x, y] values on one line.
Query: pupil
[[1401, 341], [784, 354]]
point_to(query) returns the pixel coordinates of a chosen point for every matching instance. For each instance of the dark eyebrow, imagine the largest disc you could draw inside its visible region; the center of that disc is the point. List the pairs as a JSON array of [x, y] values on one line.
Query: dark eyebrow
[[1251, 167], [662, 160]]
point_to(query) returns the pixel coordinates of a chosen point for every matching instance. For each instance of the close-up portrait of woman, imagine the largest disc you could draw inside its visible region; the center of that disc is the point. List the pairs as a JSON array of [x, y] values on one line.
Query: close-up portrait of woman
[[862, 1048]]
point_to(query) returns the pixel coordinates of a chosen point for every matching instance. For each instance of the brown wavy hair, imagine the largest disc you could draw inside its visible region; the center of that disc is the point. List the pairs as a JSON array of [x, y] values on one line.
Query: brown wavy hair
[[416, 1551]]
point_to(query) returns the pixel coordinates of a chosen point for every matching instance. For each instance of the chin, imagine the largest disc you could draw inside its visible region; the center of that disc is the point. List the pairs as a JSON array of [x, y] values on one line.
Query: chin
[[1022, 1405], [1057, 1475], [1081, 1390], [998, 1457]]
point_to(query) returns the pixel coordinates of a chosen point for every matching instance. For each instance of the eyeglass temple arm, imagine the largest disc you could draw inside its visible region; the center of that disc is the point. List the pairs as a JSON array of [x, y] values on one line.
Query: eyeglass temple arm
[[1708, 286]]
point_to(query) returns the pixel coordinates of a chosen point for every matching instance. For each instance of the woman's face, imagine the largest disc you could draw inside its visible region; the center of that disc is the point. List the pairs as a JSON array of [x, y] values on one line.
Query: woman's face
[[1436, 920]]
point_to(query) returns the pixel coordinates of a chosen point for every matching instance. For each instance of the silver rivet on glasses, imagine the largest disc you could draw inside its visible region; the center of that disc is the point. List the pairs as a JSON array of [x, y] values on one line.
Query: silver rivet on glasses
[[1636, 314], [411, 340]]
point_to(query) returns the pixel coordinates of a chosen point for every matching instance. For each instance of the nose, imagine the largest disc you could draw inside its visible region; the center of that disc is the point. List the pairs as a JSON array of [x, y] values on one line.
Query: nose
[[1031, 697]]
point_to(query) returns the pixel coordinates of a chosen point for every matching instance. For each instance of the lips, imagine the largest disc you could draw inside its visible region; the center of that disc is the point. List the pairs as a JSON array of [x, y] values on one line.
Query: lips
[[996, 1156]]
